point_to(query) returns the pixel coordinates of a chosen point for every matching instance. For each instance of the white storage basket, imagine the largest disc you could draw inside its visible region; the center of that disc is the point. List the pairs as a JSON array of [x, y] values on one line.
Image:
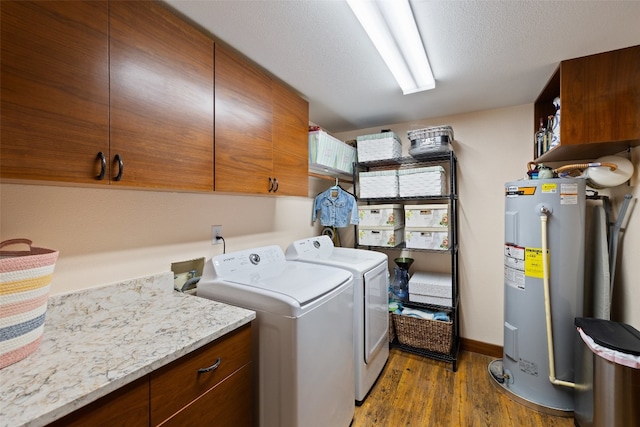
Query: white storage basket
[[380, 215], [429, 181], [327, 153], [434, 215], [388, 237], [426, 238], [380, 146], [428, 299], [378, 184], [430, 284]]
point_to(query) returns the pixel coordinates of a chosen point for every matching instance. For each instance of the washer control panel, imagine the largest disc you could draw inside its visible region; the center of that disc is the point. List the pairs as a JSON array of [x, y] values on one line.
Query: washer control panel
[[310, 248], [250, 259]]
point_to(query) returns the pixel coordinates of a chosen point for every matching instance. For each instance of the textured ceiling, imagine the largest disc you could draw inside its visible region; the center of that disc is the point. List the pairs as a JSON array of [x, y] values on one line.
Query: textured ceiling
[[484, 54]]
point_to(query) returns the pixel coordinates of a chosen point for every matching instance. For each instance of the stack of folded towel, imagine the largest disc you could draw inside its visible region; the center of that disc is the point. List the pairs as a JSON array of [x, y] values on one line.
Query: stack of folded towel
[[396, 308]]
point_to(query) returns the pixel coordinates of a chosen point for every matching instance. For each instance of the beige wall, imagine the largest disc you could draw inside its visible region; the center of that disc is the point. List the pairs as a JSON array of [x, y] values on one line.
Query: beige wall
[[493, 147], [107, 235]]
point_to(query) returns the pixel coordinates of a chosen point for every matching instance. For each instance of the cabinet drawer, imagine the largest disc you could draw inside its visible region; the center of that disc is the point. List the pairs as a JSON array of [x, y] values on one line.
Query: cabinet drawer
[[228, 404], [176, 385]]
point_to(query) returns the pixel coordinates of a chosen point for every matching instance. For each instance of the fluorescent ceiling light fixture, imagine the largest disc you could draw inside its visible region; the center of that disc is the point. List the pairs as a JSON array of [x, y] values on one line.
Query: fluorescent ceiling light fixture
[[392, 28]]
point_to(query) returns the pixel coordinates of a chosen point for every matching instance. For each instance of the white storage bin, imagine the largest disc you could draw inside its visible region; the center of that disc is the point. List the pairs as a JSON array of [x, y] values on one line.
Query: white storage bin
[[430, 284], [378, 184], [379, 146], [427, 299], [345, 158], [434, 215], [381, 236], [429, 181], [380, 215], [426, 238], [327, 153]]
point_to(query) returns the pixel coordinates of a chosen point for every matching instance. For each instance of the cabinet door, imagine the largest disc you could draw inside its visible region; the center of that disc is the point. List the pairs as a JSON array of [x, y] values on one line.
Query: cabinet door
[[55, 90], [128, 406], [290, 142], [600, 98], [161, 112], [243, 125]]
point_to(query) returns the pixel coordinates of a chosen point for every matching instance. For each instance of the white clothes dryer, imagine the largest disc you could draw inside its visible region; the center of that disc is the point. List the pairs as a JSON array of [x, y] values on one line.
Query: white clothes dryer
[[303, 347], [370, 305]]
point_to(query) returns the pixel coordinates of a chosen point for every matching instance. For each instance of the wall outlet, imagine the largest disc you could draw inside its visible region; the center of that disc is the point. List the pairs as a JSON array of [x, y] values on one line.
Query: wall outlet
[[216, 234]]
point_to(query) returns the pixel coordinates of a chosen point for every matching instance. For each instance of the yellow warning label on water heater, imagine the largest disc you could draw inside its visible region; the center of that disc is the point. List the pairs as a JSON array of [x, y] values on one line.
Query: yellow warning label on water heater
[[533, 262], [549, 188]]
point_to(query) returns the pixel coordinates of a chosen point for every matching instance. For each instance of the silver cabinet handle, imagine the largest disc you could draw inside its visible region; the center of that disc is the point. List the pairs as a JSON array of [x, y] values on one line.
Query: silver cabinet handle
[[271, 182], [277, 184], [210, 368]]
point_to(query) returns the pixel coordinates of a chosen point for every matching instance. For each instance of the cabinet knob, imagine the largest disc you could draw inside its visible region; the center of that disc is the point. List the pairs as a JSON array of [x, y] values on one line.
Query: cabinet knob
[[210, 368], [276, 184], [271, 182], [118, 159], [103, 166]]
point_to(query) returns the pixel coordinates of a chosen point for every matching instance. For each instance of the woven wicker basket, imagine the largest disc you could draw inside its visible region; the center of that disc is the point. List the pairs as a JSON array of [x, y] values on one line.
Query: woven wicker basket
[[25, 277], [426, 334], [392, 329]]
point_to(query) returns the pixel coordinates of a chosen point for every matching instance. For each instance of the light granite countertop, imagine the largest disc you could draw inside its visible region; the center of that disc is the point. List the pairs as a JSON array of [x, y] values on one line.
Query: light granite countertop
[[98, 340]]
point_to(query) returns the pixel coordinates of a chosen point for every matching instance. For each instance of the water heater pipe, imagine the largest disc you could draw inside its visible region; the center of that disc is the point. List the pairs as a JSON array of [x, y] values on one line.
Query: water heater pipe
[[565, 168], [547, 303]]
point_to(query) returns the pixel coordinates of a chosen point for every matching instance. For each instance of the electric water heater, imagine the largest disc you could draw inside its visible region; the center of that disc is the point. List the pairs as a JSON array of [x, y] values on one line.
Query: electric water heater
[[543, 288]]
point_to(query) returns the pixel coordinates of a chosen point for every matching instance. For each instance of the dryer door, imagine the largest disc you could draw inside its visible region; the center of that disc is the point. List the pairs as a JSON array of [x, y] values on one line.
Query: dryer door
[[376, 315]]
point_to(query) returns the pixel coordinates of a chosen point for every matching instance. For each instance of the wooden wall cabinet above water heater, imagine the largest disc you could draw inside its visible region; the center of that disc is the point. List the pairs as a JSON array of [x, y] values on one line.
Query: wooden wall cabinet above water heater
[[599, 105]]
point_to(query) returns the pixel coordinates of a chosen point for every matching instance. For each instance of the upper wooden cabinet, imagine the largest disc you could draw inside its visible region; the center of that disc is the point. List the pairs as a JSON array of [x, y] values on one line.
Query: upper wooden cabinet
[[123, 88], [260, 131], [243, 125], [599, 105], [161, 115], [290, 141], [55, 90], [122, 93]]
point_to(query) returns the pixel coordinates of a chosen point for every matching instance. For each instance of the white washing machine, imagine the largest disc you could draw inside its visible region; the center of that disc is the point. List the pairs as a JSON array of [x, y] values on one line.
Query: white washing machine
[[303, 347], [370, 305]]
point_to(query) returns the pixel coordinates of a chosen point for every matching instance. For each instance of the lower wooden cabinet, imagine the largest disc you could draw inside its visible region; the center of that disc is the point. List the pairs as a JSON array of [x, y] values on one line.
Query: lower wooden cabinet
[[127, 406], [210, 386], [182, 389], [227, 404]]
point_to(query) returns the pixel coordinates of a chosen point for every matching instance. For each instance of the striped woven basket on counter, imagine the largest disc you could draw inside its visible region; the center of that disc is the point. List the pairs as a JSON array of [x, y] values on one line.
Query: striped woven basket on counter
[[25, 278]]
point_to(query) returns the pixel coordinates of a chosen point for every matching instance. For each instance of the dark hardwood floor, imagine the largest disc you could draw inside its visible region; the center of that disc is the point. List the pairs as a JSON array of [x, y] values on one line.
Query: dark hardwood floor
[[418, 391]]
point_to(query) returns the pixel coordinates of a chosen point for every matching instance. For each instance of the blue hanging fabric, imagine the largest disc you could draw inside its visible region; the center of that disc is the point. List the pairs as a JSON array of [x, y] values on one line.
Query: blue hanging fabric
[[337, 207]]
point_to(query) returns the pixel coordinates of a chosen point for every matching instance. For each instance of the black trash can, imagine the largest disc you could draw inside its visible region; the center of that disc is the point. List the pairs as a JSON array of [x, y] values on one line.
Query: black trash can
[[608, 382]]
